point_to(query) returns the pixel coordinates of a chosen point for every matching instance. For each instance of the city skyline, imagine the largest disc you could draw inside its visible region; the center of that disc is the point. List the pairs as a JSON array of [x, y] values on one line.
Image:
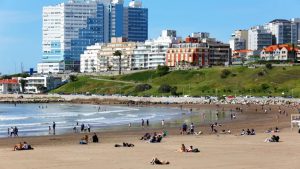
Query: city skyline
[[21, 33]]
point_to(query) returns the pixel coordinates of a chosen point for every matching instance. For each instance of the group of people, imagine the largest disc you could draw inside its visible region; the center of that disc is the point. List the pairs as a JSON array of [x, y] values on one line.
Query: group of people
[[83, 128], [270, 130], [248, 132], [183, 149], [185, 130], [274, 138], [13, 131], [22, 146], [85, 139]]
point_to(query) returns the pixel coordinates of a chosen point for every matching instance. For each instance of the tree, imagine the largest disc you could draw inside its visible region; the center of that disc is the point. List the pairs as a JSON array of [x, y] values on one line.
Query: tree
[[73, 78], [142, 87], [225, 73], [269, 66], [41, 88], [93, 69], [119, 54], [23, 84], [162, 70]]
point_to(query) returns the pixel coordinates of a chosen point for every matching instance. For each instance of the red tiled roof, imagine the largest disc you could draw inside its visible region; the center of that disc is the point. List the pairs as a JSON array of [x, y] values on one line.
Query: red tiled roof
[[275, 47], [9, 81], [242, 51]]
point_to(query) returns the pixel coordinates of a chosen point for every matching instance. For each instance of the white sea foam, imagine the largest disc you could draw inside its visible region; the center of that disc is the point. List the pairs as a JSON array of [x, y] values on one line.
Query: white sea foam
[[8, 118], [91, 120]]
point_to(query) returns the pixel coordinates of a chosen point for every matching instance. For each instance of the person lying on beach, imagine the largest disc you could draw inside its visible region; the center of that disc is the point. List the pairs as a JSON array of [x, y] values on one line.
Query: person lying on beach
[[156, 138], [272, 139], [156, 161], [183, 149], [193, 150], [95, 138], [84, 140], [22, 146], [147, 136], [124, 145]]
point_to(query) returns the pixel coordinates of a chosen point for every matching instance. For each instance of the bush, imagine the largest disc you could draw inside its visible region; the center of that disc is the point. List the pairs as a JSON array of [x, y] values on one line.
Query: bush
[[269, 66], [162, 70], [260, 74], [165, 88], [73, 78], [264, 86], [225, 73], [143, 87]]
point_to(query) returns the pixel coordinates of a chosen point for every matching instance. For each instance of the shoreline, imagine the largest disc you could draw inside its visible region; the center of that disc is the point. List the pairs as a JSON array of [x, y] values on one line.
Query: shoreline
[[257, 120]]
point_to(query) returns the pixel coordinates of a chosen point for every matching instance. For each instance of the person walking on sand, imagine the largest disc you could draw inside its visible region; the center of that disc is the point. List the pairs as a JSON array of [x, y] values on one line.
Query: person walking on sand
[[53, 127], [49, 129]]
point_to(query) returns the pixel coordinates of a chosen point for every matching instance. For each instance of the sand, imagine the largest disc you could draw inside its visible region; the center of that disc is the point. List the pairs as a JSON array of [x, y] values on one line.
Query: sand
[[223, 151], [217, 151]]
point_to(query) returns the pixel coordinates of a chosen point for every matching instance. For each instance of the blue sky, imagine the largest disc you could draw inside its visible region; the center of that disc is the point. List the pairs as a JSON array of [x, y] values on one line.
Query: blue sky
[[21, 22]]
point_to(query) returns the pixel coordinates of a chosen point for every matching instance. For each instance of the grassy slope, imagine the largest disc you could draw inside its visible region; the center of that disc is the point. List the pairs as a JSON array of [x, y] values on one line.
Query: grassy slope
[[245, 81]]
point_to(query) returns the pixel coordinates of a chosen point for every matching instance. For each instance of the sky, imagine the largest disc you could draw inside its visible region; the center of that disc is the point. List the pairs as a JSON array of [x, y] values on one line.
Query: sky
[[21, 22]]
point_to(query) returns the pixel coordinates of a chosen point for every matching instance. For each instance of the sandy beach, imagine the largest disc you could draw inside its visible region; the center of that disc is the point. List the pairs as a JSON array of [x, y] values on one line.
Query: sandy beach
[[217, 150]]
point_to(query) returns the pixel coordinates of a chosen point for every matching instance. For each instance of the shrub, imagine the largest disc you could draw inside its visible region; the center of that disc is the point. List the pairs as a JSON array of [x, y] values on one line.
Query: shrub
[[269, 66], [225, 73], [164, 88], [264, 86], [143, 87], [260, 74], [73, 78], [162, 70]]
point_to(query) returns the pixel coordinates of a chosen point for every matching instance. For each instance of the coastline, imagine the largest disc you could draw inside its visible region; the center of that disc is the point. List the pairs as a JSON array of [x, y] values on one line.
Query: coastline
[[230, 151]]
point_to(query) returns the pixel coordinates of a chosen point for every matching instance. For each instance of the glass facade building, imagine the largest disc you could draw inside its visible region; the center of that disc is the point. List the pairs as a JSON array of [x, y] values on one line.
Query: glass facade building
[[68, 28]]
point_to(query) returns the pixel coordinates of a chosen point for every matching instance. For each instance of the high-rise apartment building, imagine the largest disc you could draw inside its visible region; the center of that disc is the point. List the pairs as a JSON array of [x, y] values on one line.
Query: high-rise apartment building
[[284, 31], [258, 38], [239, 40], [68, 28]]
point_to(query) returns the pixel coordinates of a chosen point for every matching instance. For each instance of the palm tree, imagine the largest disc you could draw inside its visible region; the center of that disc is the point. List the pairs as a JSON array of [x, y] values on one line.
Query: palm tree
[[119, 54]]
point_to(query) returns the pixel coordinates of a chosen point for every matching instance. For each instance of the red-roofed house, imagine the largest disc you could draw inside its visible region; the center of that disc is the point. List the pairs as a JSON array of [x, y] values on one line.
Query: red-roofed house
[[283, 52], [9, 86]]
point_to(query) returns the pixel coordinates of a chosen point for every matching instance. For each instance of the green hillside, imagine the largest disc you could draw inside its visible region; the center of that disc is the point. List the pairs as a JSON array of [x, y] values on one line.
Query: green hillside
[[211, 81]]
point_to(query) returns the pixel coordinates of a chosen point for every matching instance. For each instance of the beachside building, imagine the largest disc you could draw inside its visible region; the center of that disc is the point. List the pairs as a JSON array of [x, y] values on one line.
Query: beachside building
[[39, 84], [152, 53], [9, 86], [68, 28], [283, 31], [190, 53], [89, 60], [198, 52], [285, 52], [100, 57], [239, 40], [258, 38]]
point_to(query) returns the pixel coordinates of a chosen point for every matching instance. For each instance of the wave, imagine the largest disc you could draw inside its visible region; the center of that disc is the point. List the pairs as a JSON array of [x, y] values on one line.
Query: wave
[[90, 120], [7, 118]]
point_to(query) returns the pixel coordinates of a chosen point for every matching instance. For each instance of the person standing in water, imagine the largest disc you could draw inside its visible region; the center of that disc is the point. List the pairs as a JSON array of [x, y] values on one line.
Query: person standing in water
[[53, 126], [143, 122], [147, 123]]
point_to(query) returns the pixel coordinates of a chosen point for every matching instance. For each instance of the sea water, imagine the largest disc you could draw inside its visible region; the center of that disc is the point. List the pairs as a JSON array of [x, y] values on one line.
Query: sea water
[[35, 119]]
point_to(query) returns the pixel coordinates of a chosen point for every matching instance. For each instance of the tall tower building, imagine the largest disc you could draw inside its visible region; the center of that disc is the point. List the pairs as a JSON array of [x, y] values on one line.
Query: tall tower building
[[258, 38], [284, 31], [68, 28], [136, 22]]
